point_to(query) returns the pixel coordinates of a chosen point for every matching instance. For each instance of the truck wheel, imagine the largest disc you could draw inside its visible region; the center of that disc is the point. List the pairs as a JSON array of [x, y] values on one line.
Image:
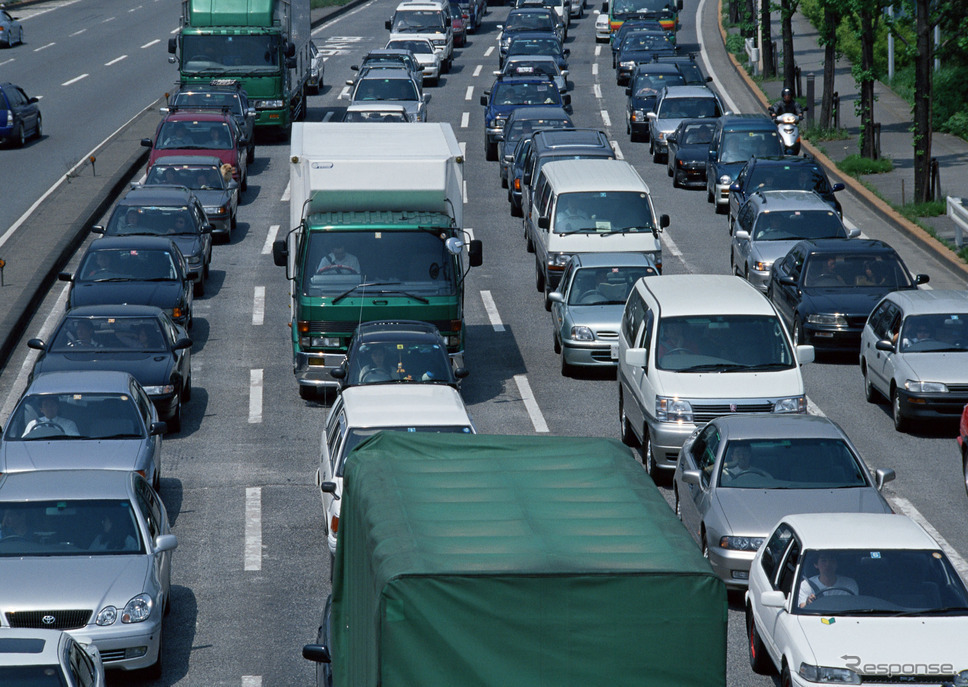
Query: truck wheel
[[307, 393], [759, 660]]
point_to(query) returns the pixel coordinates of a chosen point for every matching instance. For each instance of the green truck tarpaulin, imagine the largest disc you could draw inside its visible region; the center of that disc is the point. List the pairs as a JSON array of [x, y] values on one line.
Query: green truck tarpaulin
[[517, 561]]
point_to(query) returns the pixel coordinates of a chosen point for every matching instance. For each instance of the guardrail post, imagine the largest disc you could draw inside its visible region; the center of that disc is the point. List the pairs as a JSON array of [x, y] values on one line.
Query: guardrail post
[[959, 215], [811, 99]]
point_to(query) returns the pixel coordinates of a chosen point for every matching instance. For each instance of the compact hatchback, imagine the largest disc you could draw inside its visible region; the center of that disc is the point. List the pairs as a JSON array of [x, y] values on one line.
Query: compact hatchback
[[19, 115], [392, 87]]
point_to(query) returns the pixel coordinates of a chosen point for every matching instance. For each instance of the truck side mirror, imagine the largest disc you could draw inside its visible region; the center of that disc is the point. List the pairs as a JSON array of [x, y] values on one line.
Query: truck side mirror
[[475, 253], [636, 357], [280, 252], [604, 8], [290, 49], [663, 221], [172, 45]]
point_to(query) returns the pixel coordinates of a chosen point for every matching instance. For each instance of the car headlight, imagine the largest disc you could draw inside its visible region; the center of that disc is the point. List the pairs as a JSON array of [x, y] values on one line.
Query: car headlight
[[638, 115], [160, 390], [627, 64], [212, 212], [741, 543], [826, 674], [268, 104], [672, 409], [138, 609], [762, 266], [828, 319], [725, 180], [794, 404], [194, 259], [106, 616], [925, 387], [557, 261], [961, 679], [580, 333]]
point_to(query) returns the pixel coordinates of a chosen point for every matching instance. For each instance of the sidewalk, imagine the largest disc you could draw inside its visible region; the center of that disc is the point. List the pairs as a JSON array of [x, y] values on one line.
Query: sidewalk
[[896, 140]]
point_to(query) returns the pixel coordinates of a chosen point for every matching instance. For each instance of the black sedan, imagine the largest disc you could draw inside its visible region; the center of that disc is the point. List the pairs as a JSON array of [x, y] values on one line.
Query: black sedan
[[401, 351], [138, 339], [138, 270], [640, 47], [824, 289], [688, 152], [643, 89]]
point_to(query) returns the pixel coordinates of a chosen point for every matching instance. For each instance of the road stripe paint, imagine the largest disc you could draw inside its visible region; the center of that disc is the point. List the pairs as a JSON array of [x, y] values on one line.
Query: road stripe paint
[[251, 681], [477, 70], [7, 61], [253, 528], [137, 7], [534, 412], [606, 119], [597, 90], [77, 33], [618, 151], [255, 396], [328, 116], [469, 93], [115, 60], [150, 43], [259, 306], [598, 50], [340, 18], [674, 249], [906, 507], [489, 51], [595, 69], [175, 30], [75, 80], [108, 19], [463, 149], [730, 103], [344, 94], [44, 47], [465, 119], [465, 190], [270, 238], [490, 307], [285, 194]]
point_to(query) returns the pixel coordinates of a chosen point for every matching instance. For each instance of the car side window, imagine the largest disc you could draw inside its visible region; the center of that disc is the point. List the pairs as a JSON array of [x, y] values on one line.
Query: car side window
[[144, 407], [633, 317], [335, 439], [796, 265], [773, 552], [148, 503], [788, 568], [81, 665], [878, 319], [544, 199], [704, 451]]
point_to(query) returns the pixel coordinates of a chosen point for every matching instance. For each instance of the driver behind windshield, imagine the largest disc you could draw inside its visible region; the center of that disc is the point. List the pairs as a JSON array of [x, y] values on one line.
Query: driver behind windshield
[[826, 582], [338, 257], [48, 415]]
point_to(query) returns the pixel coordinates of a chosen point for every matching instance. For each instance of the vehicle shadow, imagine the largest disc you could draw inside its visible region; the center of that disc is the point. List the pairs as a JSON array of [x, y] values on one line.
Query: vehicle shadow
[[171, 490], [192, 413], [200, 330], [496, 351]]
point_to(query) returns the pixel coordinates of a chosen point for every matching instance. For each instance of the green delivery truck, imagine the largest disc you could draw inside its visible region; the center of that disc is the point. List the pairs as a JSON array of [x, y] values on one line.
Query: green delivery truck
[[264, 44], [514, 561], [376, 214]]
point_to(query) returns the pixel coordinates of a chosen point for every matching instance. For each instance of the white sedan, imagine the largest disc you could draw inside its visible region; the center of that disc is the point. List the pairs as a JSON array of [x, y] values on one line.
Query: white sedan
[[854, 598]]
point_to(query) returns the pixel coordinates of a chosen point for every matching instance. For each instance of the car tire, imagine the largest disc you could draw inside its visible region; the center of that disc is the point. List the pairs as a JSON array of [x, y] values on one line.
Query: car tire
[[39, 131], [516, 210], [250, 154], [490, 151], [675, 180], [625, 429], [233, 223], [186, 392], [785, 679], [557, 343], [198, 289], [797, 335], [175, 423], [539, 278], [648, 457], [504, 182], [244, 182], [20, 139], [870, 393], [720, 208], [709, 193], [566, 368], [901, 421], [530, 243], [669, 169], [759, 660], [307, 393], [156, 482]]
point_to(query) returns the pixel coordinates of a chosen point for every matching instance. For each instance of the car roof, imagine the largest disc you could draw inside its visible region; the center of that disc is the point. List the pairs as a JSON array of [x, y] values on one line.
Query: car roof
[[390, 52], [531, 35], [687, 92], [161, 194], [551, 139], [583, 260], [788, 200], [529, 58], [706, 294], [404, 405], [194, 160], [17, 649], [538, 112], [380, 72], [867, 531], [114, 310], [783, 161], [42, 485], [131, 242], [655, 68], [840, 246], [581, 175], [529, 10], [778, 426], [190, 115], [87, 381], [928, 301]]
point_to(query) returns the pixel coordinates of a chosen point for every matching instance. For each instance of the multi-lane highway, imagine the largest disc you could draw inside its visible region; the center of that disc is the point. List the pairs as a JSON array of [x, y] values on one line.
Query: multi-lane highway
[[251, 570]]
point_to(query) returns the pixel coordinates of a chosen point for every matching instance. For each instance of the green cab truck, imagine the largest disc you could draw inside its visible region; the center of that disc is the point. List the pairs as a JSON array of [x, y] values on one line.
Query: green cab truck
[[264, 44], [514, 561], [376, 216]]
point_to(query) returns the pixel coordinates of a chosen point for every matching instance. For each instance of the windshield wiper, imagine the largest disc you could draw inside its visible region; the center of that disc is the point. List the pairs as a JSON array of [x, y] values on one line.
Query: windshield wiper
[[765, 366], [105, 279], [933, 611], [364, 285], [714, 367], [120, 436], [405, 293]]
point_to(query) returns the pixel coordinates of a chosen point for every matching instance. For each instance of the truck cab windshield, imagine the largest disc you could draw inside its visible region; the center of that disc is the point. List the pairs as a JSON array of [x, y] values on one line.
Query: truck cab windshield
[[230, 54]]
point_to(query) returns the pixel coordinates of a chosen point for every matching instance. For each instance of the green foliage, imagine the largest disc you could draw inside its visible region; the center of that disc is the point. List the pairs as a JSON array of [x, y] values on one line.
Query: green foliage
[[855, 165], [737, 45], [956, 125], [816, 133], [933, 208]]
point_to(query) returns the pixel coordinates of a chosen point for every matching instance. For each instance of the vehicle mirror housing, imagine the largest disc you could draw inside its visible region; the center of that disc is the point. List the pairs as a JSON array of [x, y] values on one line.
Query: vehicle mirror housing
[[166, 542], [157, 429], [65, 276], [97, 229], [692, 477], [604, 8], [475, 253], [172, 45], [146, 142], [741, 235], [329, 488], [182, 343], [883, 476], [882, 345], [544, 222], [317, 653], [338, 373], [556, 297], [671, 138], [564, 73], [636, 357], [772, 599], [709, 79], [664, 221], [290, 49], [805, 354], [280, 252], [922, 279], [355, 67], [207, 228], [788, 280], [628, 90], [735, 186], [484, 100], [388, 24], [566, 99], [233, 185], [651, 115], [837, 187], [461, 372], [37, 344], [853, 233]]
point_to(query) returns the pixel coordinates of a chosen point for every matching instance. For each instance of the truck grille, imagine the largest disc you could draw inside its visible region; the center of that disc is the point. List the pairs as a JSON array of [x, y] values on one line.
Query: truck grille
[[349, 326], [710, 411], [49, 620]]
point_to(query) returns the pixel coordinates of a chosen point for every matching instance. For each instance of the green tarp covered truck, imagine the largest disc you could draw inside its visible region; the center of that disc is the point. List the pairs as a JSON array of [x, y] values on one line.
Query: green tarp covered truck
[[512, 561]]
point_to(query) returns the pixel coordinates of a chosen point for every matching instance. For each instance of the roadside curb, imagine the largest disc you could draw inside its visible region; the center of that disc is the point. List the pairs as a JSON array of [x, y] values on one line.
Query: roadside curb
[[887, 213]]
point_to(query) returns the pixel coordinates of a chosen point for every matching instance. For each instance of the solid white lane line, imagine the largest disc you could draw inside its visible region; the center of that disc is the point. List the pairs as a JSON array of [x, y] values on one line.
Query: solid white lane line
[[251, 681], [115, 60], [44, 47], [463, 149], [730, 103], [618, 151], [491, 309], [477, 70], [253, 528], [465, 119], [285, 194], [255, 396], [469, 93], [136, 7], [108, 19], [534, 412], [259, 306], [340, 18], [75, 80], [606, 119], [270, 237], [150, 43], [489, 51]]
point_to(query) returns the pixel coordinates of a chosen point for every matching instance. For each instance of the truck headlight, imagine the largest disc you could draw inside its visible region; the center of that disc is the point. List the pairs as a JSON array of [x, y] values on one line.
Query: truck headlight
[[581, 333], [794, 404], [917, 387], [828, 319], [319, 341], [672, 409], [826, 674], [138, 609], [557, 261], [741, 543], [725, 180], [268, 104]]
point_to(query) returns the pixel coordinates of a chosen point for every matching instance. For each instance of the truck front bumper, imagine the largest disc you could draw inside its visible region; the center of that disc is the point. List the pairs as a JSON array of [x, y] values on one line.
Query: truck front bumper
[[313, 369]]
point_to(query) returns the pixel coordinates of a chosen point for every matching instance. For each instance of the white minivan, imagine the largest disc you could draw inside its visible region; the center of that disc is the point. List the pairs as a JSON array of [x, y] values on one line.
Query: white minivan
[[589, 206], [693, 347]]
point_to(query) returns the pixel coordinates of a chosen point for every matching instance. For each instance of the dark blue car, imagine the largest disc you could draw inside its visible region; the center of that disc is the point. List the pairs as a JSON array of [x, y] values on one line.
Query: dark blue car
[[19, 115], [509, 93]]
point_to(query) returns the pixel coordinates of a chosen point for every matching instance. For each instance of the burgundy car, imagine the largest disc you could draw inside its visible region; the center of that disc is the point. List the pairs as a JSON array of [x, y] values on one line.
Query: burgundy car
[[963, 445]]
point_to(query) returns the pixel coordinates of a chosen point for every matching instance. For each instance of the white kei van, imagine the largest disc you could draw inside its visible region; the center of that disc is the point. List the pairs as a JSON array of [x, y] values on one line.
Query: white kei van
[[693, 347], [589, 206]]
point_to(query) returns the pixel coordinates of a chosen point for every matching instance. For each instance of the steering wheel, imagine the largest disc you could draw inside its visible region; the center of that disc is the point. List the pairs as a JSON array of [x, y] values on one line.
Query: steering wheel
[[676, 350], [375, 375], [822, 592], [591, 298], [753, 471], [339, 269], [46, 424]]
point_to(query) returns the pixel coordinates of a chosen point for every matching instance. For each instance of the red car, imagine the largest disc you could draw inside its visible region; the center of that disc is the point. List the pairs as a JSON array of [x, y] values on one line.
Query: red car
[[459, 23], [963, 444], [201, 133]]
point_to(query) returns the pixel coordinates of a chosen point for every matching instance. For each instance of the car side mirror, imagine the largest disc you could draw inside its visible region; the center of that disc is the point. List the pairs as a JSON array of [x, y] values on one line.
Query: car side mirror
[[664, 221], [741, 235], [787, 280], [354, 67], [65, 276], [243, 142], [329, 488], [735, 186], [350, 82], [338, 373], [146, 142], [628, 90], [636, 357], [883, 476], [182, 344], [709, 79], [882, 345], [773, 599], [207, 228], [544, 222], [805, 354], [566, 52], [556, 297], [280, 252], [837, 187], [484, 100], [317, 653], [37, 344], [158, 429], [671, 138], [853, 233], [388, 24], [651, 115], [922, 279], [692, 477], [166, 542], [233, 185], [566, 99], [461, 372]]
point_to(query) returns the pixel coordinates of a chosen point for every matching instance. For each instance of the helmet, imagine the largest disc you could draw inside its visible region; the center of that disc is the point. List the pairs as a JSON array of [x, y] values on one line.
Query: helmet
[[786, 92]]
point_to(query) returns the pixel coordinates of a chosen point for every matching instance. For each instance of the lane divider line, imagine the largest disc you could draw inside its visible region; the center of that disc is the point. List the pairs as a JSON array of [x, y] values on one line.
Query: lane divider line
[[259, 306], [490, 307], [465, 119], [534, 412], [270, 238], [255, 396], [253, 529]]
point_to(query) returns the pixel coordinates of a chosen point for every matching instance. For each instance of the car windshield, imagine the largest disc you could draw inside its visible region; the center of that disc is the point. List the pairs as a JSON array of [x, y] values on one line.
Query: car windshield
[[892, 582], [49, 417], [534, 46], [934, 333], [605, 285], [208, 100], [529, 21], [788, 177], [365, 264], [418, 21], [386, 89], [740, 146], [107, 334], [722, 343], [397, 362], [623, 8], [651, 84], [195, 177], [127, 265], [697, 134], [790, 464], [528, 67], [95, 527], [525, 94], [521, 128], [831, 270], [603, 212], [790, 225], [416, 47], [645, 41], [230, 54], [150, 220], [356, 435], [688, 108], [192, 135]]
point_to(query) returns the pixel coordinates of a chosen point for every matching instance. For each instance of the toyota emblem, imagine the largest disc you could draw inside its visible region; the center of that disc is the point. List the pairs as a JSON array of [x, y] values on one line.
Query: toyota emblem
[[48, 620]]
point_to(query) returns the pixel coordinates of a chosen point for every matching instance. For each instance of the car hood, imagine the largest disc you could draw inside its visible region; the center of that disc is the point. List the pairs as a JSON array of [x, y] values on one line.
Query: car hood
[[735, 386], [872, 641], [752, 512], [188, 244], [80, 581], [597, 316], [730, 168], [950, 367], [642, 102], [150, 369], [771, 251], [68, 454], [161, 294], [849, 300], [693, 152], [212, 197], [668, 124]]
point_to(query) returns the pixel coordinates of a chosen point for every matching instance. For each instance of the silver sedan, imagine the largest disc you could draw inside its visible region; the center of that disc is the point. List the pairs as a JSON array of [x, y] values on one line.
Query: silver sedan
[[88, 552], [738, 475], [586, 309]]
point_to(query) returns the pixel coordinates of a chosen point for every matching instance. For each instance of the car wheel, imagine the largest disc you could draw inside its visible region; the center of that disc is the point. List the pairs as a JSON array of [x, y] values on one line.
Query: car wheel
[[720, 209], [244, 183], [566, 368], [39, 131], [557, 343], [625, 429], [307, 393], [539, 278], [709, 193], [516, 210], [746, 273], [669, 168], [490, 151], [186, 394], [175, 423], [250, 154], [20, 139], [676, 183], [729, 221], [900, 420], [759, 660], [153, 672], [648, 457], [870, 393], [785, 680], [232, 225], [530, 246], [199, 288], [504, 182]]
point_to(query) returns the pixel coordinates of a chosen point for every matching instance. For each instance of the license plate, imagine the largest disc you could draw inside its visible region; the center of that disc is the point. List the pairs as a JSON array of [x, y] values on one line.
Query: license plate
[[613, 351], [317, 361]]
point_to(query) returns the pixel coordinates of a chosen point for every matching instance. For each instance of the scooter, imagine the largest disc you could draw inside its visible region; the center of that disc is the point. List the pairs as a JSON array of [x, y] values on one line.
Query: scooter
[[788, 126]]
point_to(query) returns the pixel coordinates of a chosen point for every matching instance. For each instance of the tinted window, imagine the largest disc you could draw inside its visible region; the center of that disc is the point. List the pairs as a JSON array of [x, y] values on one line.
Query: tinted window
[[722, 343], [605, 285], [787, 225], [740, 146]]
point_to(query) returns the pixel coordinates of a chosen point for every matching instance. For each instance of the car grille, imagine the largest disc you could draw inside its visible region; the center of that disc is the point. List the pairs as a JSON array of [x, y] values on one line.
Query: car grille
[[112, 655], [606, 335], [958, 388], [49, 620], [710, 411], [856, 321]]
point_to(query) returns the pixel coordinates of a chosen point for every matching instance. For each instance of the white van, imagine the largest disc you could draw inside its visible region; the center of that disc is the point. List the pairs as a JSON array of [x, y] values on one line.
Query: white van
[[589, 206], [429, 19], [693, 347]]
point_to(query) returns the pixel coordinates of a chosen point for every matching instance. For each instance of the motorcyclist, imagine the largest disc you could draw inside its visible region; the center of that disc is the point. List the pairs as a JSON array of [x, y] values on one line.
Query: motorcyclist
[[786, 105]]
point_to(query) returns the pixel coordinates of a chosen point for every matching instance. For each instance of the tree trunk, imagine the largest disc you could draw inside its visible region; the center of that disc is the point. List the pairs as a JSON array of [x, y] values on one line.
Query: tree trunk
[[923, 84], [748, 28], [828, 35], [766, 49], [866, 81], [787, 9]]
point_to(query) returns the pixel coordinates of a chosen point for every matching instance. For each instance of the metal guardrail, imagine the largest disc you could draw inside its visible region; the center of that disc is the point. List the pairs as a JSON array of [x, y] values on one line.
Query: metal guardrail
[[753, 53], [958, 213]]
